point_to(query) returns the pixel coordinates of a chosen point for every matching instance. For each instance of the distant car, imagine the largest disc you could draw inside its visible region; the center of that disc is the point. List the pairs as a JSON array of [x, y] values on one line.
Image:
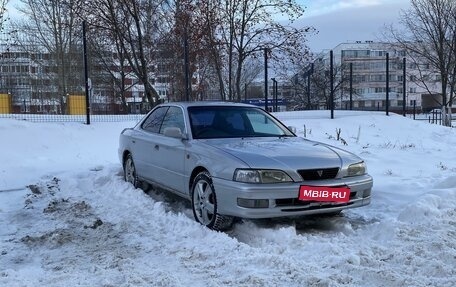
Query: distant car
[[435, 111], [235, 160]]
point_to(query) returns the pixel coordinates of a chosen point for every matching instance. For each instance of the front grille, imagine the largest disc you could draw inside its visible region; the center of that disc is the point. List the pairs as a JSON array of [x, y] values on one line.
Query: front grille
[[318, 174]]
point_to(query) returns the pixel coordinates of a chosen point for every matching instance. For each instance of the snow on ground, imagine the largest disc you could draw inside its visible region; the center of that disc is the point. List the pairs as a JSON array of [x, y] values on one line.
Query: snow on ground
[[68, 219]]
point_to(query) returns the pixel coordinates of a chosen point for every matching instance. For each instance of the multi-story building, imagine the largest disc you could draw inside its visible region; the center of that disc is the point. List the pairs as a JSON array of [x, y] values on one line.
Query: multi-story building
[[30, 78], [368, 61]]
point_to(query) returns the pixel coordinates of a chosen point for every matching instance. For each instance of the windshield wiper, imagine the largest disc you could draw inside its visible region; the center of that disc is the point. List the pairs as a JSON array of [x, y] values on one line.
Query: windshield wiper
[[284, 136]]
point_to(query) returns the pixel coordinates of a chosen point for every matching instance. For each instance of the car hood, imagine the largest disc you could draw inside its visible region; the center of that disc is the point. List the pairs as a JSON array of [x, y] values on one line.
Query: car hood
[[284, 153]]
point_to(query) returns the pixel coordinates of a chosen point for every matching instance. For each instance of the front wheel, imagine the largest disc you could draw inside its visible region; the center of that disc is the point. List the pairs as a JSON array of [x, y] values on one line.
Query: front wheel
[[204, 204]]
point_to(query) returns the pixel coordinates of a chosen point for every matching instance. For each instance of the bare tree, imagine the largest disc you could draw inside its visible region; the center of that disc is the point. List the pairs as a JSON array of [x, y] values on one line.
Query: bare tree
[[242, 29], [181, 39], [320, 81], [51, 26], [317, 75], [429, 33], [256, 30], [210, 19], [219, 33], [110, 57], [2, 13], [131, 26]]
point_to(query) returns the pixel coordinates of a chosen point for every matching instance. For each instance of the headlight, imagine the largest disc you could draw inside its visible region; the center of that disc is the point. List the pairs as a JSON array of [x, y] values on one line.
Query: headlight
[[356, 169], [260, 176]]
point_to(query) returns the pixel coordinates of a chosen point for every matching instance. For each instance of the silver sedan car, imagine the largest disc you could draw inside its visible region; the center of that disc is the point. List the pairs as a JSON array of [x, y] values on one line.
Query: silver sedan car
[[237, 161]]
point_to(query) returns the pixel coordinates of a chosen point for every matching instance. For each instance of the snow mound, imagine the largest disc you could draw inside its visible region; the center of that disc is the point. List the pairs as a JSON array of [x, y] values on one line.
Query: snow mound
[[67, 218]]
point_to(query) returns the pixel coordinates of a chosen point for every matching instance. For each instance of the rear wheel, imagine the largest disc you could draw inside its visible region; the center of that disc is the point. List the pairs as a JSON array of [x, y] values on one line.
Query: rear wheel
[[204, 204], [130, 171]]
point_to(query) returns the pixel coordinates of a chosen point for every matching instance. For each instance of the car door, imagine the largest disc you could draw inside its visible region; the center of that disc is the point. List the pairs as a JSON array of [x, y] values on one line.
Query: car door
[[143, 142], [169, 152]]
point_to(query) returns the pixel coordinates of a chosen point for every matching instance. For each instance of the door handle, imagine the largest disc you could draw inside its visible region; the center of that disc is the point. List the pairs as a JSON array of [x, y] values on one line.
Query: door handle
[[157, 147]]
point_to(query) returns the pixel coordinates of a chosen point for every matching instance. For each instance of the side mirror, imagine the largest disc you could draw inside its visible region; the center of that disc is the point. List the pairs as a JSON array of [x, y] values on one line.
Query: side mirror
[[175, 132], [292, 129]]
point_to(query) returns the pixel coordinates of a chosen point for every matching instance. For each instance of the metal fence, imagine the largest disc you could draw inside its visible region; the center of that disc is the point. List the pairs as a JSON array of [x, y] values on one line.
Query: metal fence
[[73, 118], [72, 108], [77, 112]]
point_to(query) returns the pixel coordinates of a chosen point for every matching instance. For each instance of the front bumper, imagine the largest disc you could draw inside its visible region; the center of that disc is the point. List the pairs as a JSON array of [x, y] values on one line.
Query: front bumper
[[283, 197]]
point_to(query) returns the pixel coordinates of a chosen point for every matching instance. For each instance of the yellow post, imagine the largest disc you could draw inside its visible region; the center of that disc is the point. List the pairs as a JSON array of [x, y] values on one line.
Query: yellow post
[[5, 104], [76, 105]]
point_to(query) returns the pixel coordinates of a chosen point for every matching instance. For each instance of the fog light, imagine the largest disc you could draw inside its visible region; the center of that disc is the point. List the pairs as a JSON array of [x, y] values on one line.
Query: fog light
[[253, 203], [366, 193]]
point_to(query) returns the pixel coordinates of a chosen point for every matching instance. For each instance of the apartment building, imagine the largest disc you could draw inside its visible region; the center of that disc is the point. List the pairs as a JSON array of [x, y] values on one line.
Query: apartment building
[[368, 77], [30, 78]]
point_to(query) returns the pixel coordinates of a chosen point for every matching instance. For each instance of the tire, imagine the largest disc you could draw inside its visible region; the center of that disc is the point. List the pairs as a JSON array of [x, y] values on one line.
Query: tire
[[204, 204], [130, 171]]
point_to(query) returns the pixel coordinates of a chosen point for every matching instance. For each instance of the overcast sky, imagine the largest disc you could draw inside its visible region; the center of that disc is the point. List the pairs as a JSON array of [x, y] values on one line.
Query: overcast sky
[[339, 21]]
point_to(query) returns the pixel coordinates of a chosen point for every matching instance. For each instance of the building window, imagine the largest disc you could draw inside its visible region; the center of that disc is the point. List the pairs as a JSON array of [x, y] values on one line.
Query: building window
[[379, 53], [379, 90], [355, 53], [377, 78], [359, 91]]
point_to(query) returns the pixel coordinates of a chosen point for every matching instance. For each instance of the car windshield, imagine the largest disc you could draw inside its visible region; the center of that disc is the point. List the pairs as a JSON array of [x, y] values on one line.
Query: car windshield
[[208, 122]]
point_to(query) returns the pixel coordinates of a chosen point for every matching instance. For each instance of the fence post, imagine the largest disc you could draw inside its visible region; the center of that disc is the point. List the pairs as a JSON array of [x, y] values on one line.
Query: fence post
[[331, 75], [387, 84], [86, 71], [266, 79], [351, 86], [404, 62]]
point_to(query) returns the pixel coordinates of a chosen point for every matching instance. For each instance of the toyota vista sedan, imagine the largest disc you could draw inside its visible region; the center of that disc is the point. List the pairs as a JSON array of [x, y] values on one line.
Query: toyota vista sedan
[[235, 160]]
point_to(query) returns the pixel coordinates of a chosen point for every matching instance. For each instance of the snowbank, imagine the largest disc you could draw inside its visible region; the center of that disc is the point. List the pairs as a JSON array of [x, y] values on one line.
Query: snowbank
[[67, 218]]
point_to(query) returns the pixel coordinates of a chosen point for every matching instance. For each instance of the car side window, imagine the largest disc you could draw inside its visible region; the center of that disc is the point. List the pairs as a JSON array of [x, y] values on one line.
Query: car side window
[[154, 120], [174, 118]]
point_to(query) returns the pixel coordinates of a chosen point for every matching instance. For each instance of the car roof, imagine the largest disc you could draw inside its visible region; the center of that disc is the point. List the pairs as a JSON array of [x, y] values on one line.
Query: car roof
[[208, 104]]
